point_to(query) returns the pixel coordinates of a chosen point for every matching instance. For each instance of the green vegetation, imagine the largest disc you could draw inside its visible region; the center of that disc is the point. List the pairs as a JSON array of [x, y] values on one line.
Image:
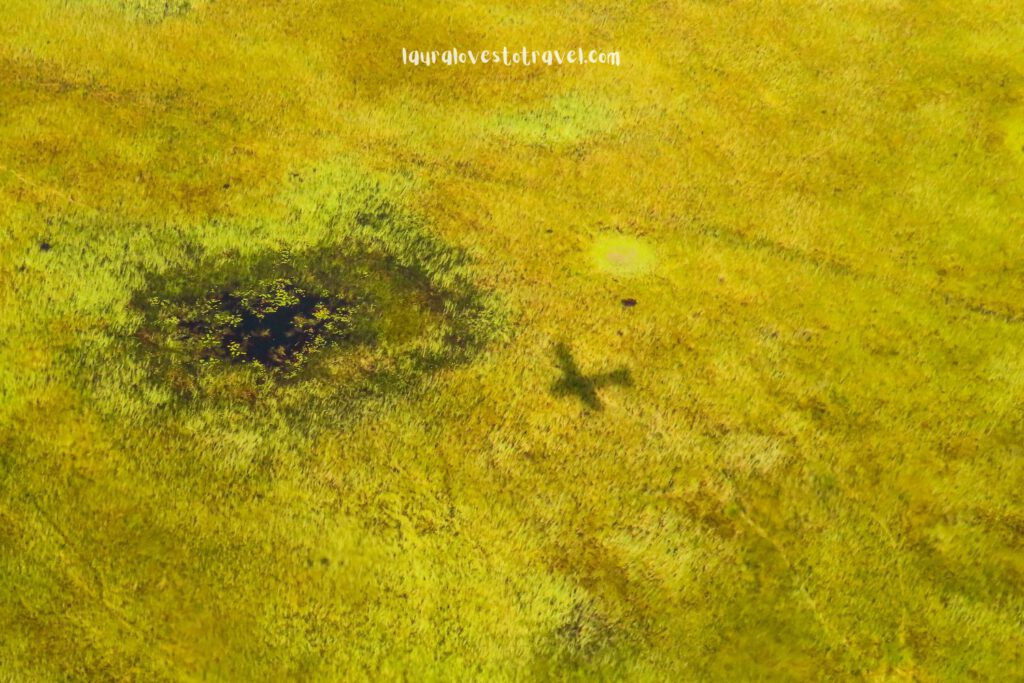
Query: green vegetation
[[318, 367], [248, 324], [153, 10]]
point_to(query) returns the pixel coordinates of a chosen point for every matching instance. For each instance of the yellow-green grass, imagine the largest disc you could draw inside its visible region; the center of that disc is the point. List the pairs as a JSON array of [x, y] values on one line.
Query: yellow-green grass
[[814, 472]]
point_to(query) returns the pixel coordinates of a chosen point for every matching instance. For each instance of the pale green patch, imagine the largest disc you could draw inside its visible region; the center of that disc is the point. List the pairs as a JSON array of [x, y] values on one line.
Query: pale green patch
[[151, 11], [622, 255], [1015, 135], [749, 453], [334, 221], [562, 120]]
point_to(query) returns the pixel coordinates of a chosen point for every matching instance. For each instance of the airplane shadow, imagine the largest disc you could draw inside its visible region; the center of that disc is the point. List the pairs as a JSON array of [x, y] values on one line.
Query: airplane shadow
[[585, 387]]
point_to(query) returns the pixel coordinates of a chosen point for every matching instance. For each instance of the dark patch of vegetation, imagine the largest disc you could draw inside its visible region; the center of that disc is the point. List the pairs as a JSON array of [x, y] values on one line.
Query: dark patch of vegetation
[[272, 313], [352, 315], [274, 323]]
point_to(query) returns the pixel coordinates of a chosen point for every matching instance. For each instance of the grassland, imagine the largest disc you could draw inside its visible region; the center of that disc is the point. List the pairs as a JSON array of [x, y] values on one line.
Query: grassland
[[798, 456]]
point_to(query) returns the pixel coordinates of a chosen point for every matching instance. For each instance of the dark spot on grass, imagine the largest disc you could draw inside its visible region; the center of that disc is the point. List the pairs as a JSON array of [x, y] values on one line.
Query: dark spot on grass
[[582, 636], [376, 216], [45, 246], [353, 316], [273, 325], [629, 302], [274, 315]]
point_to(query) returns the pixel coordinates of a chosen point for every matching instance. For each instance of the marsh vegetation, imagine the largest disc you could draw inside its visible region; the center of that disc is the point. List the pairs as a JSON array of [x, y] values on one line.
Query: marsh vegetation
[[315, 366]]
